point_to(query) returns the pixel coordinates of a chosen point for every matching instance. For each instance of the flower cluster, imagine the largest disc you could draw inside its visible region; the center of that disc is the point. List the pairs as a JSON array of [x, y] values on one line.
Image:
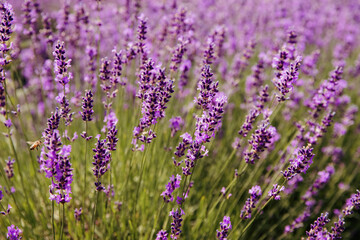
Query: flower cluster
[[101, 162], [301, 163], [259, 141], [87, 106], [255, 194], [176, 224], [155, 91], [55, 162], [173, 184], [275, 191], [225, 226], [14, 233], [161, 235]]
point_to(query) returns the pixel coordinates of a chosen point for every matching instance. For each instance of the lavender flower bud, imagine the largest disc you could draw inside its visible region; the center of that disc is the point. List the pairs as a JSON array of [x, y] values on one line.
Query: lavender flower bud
[[77, 214], [207, 88], [275, 191], [176, 224], [318, 226], [175, 124], [101, 160], [255, 194], [161, 235], [178, 54], [173, 184], [258, 142], [250, 119], [14, 233], [87, 106], [61, 65], [225, 226], [301, 163]]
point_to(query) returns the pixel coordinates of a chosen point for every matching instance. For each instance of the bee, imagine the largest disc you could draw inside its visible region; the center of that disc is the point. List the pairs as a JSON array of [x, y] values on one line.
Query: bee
[[35, 144]]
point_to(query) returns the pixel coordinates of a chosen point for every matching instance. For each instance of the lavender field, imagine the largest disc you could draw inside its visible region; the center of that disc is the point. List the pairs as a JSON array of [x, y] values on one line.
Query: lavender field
[[166, 119]]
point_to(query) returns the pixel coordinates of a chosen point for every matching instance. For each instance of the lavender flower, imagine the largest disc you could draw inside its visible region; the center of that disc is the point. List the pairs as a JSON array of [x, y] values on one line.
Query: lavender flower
[[207, 88], [250, 119], [7, 211], [77, 214], [285, 82], [14, 233], [209, 51], [161, 235], [206, 125], [298, 222], [255, 194], [9, 168], [8, 123], [111, 138], [318, 226], [101, 161], [338, 228], [117, 68], [173, 184], [61, 65], [259, 141], [225, 226], [60, 189], [301, 163], [275, 191], [65, 109], [87, 106], [155, 91], [52, 124], [142, 31], [321, 180], [351, 203], [176, 224], [105, 75], [175, 124], [178, 54], [184, 145], [327, 93]]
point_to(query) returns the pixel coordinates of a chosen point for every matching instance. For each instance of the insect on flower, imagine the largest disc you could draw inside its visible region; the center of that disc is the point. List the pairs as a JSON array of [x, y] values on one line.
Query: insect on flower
[[35, 144]]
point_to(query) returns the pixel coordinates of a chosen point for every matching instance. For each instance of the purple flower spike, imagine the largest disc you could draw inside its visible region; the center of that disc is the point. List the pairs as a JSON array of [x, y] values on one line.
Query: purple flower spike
[[207, 88], [275, 192], [61, 186], [225, 226], [176, 224], [173, 184], [77, 214], [178, 55], [14, 233], [175, 124], [162, 235], [8, 123], [101, 160], [301, 163], [255, 194], [87, 106], [338, 229], [61, 65], [351, 203], [318, 226]]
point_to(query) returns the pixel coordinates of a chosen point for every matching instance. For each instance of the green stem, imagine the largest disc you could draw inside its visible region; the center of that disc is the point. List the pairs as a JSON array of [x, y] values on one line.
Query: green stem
[[85, 167], [93, 215], [52, 219], [141, 175], [62, 222]]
